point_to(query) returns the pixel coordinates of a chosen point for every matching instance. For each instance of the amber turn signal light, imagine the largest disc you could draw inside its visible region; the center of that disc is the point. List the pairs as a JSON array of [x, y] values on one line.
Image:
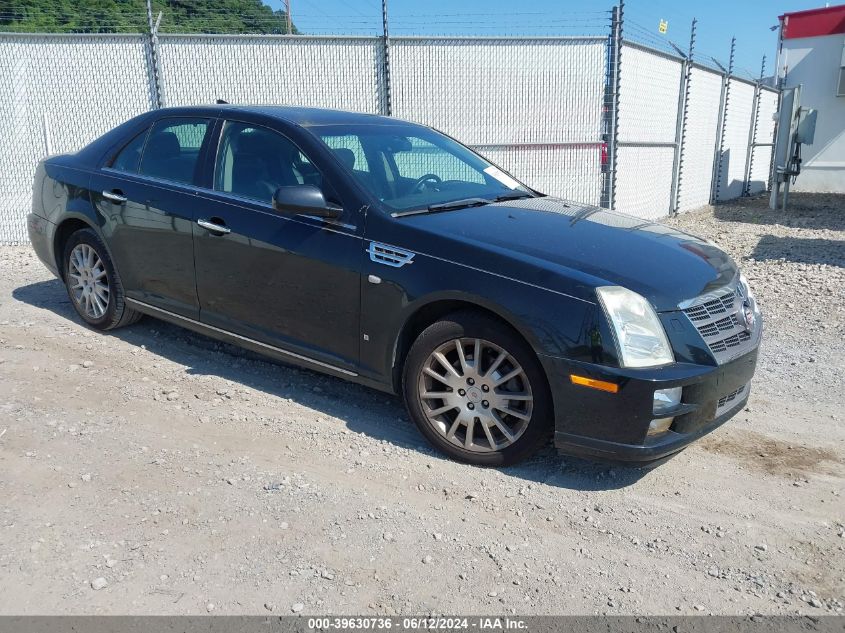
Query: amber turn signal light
[[601, 385]]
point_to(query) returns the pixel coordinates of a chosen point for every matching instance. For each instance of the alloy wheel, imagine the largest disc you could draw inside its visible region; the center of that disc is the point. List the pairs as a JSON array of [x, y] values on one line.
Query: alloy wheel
[[88, 281], [476, 394]]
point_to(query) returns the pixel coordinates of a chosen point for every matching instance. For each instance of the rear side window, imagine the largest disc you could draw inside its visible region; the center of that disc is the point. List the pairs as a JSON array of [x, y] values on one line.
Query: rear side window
[[130, 156], [173, 148]]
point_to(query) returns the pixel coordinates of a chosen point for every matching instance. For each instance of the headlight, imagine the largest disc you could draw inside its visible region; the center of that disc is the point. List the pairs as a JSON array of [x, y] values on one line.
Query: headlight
[[639, 334]]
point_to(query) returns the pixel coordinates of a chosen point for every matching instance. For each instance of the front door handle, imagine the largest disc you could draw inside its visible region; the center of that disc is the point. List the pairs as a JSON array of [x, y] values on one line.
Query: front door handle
[[208, 225], [115, 196]]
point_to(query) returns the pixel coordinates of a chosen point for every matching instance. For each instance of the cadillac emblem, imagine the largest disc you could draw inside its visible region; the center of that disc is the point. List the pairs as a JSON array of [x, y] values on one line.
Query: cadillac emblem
[[746, 316]]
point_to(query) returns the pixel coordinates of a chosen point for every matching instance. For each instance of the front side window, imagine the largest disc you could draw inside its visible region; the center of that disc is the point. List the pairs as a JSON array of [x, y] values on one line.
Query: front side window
[[130, 156], [349, 150], [253, 161], [173, 148], [411, 167]]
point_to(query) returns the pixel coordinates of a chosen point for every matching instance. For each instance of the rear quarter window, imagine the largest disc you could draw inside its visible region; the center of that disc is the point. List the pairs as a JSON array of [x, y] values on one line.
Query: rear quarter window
[[128, 158]]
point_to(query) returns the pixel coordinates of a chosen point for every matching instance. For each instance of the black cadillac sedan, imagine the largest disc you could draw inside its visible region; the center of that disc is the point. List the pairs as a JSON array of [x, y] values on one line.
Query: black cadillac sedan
[[391, 255]]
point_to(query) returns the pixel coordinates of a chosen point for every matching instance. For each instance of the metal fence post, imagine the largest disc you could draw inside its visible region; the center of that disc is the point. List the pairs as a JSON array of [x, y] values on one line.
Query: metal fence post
[[681, 131], [723, 116], [155, 62], [752, 131], [610, 124], [387, 108]]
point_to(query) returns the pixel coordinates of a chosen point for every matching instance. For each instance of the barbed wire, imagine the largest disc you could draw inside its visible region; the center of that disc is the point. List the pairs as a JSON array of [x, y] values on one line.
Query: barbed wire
[[364, 18]]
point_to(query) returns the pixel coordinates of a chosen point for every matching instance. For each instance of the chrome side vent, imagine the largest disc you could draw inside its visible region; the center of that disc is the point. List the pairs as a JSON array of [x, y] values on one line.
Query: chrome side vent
[[389, 255]]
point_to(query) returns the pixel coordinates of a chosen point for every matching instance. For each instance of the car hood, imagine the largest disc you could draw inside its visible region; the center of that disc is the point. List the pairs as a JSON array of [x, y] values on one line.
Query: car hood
[[597, 246]]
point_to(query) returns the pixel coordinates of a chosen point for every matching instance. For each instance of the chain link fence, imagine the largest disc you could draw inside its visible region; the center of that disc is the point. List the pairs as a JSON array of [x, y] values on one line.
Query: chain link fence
[[648, 131], [58, 92], [762, 143], [550, 110], [326, 72], [530, 105], [734, 147], [704, 108]]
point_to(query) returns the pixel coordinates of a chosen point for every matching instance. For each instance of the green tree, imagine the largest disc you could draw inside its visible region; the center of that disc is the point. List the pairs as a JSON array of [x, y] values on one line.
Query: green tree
[[130, 16]]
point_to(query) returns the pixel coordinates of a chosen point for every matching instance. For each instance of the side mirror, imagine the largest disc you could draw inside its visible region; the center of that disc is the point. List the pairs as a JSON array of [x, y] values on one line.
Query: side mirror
[[304, 200]]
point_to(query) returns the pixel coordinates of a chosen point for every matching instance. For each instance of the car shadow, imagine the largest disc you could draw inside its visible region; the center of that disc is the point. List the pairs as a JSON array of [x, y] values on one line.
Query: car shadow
[[363, 410], [800, 250], [805, 210]]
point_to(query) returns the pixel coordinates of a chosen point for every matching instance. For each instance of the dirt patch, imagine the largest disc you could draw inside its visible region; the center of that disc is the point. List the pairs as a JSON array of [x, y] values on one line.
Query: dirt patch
[[771, 455]]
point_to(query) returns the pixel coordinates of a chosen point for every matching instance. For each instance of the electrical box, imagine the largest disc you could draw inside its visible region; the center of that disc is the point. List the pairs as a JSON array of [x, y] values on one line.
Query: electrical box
[[790, 103], [806, 131], [840, 87]]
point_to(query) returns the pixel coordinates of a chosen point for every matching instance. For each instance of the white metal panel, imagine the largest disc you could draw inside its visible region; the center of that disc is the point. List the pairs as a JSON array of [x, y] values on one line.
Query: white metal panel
[[644, 181], [309, 71], [814, 63], [61, 90], [699, 151], [738, 117], [761, 155]]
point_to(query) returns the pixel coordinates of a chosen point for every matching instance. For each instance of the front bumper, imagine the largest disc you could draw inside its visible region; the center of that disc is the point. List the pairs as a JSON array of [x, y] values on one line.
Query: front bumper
[[614, 426]]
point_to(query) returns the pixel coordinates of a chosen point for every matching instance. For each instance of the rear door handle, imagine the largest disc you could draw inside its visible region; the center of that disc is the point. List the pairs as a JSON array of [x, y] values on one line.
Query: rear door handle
[[115, 196], [208, 225]]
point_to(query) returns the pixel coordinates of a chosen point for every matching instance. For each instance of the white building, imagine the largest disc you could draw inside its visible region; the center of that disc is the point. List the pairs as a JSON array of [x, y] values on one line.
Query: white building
[[812, 53]]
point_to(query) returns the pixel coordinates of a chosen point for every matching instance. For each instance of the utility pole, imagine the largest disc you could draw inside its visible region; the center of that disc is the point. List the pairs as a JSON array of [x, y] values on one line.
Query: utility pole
[[610, 126], [683, 116], [385, 59], [288, 20], [155, 67]]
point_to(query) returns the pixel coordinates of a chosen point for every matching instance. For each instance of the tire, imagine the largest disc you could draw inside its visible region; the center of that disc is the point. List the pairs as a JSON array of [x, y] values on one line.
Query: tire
[[103, 309], [510, 419]]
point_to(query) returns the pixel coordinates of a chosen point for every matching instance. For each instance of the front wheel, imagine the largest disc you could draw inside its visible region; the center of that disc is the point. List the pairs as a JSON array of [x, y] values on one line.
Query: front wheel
[[476, 390]]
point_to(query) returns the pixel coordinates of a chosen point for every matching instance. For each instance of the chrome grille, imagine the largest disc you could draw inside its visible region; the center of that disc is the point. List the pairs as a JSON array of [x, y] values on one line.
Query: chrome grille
[[722, 325], [712, 308], [716, 316], [727, 402]]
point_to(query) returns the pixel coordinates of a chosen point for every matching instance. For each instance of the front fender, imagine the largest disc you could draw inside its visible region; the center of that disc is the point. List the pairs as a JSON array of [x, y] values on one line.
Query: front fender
[[552, 323]]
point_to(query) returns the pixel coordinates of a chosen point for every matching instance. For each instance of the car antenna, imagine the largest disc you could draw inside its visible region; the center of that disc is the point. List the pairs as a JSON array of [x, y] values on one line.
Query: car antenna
[[222, 102]]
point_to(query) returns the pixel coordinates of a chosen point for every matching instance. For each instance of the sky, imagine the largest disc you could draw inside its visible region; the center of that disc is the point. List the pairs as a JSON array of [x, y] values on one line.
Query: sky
[[718, 21]]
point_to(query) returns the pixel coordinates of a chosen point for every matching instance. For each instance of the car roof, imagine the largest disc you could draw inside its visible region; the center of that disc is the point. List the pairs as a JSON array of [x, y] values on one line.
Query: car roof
[[304, 116]]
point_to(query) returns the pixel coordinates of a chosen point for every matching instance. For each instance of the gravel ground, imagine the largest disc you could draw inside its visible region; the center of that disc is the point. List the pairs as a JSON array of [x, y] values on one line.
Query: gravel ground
[[155, 471]]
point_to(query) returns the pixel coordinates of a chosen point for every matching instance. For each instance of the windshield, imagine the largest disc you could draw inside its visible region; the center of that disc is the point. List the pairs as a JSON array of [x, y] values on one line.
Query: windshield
[[409, 168]]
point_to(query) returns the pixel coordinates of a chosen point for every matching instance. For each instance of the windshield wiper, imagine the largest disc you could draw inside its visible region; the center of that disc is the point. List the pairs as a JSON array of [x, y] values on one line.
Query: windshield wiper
[[459, 204], [464, 203], [513, 195]]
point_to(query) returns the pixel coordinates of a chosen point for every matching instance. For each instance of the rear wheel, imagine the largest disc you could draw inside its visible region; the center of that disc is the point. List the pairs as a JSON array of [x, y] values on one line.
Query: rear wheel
[[93, 285], [476, 390]]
